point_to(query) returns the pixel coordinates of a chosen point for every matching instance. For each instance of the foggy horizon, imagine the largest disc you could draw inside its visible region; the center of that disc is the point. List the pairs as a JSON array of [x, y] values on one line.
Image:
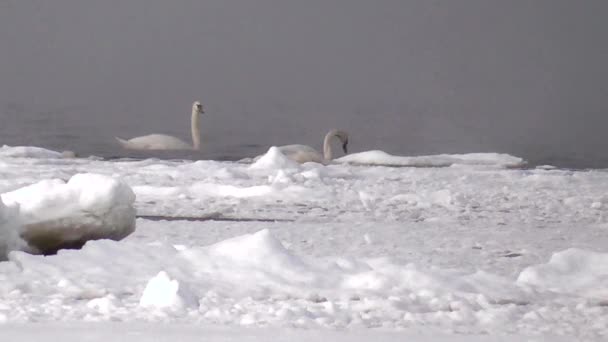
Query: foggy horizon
[[409, 78]]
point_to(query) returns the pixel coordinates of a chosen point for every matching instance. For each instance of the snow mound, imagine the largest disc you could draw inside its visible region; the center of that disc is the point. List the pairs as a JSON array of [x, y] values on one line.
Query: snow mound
[[259, 250], [573, 271], [382, 158], [28, 152], [273, 159], [55, 214], [251, 263], [162, 292]]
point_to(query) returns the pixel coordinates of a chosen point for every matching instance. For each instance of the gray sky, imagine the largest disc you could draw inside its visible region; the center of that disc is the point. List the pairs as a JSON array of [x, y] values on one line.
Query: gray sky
[[408, 77]]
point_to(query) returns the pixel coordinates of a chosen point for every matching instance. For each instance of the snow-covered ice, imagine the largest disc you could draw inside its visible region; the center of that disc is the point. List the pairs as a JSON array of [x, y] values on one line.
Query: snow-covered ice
[[441, 160], [31, 152], [162, 292], [236, 251]]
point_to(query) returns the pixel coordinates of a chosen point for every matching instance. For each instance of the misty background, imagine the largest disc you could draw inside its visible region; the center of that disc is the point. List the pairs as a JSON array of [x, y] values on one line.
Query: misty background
[[409, 77]]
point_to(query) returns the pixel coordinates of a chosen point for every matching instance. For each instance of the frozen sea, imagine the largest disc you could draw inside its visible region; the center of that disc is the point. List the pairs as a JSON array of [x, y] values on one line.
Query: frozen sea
[[473, 247]]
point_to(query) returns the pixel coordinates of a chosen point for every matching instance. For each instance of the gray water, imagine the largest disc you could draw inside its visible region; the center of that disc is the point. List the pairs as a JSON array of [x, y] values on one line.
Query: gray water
[[414, 77]]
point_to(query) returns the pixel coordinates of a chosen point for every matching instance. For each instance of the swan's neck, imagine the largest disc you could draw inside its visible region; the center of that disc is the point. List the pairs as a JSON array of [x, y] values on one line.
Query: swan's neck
[[196, 131], [327, 152]]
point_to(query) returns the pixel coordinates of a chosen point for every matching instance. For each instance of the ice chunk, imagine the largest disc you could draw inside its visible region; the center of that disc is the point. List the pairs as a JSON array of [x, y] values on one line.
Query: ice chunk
[[163, 292], [57, 215], [9, 230]]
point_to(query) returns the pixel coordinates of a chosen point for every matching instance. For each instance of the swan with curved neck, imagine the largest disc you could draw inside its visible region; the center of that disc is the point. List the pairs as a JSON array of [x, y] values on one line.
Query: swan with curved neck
[[305, 153], [168, 142]]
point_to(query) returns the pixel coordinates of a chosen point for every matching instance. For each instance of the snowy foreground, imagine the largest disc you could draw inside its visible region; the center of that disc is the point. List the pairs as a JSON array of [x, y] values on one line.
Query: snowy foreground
[[475, 251]]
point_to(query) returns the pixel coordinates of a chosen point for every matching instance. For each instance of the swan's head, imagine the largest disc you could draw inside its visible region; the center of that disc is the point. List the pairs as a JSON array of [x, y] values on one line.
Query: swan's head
[[343, 136], [345, 146], [198, 107]]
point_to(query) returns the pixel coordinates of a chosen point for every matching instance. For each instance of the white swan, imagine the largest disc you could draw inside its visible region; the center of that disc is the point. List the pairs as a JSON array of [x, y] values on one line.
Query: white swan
[[167, 142], [305, 153]]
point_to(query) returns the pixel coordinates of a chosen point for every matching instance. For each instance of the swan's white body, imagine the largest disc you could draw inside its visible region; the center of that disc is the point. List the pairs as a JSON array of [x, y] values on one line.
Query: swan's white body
[[305, 153], [302, 153], [155, 142], [168, 142]]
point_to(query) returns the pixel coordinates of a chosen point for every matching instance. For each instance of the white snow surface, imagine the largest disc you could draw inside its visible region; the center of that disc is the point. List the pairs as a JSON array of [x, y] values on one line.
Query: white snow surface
[[236, 252]]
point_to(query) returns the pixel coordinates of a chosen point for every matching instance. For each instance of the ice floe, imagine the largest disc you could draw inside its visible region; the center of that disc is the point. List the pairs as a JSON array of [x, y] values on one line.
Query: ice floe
[[441, 160], [32, 152]]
